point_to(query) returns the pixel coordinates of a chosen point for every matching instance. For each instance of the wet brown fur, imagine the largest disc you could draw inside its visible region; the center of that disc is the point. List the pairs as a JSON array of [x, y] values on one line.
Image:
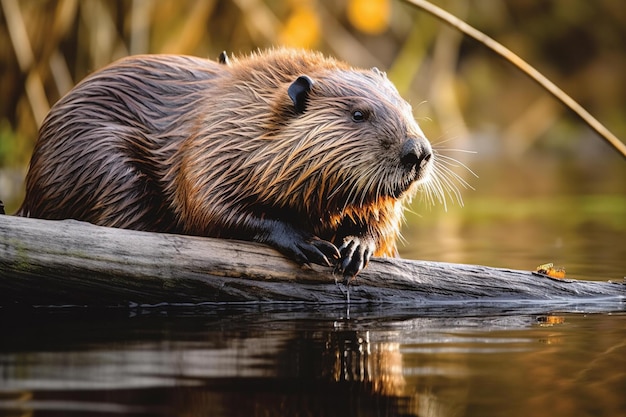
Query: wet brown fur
[[186, 145]]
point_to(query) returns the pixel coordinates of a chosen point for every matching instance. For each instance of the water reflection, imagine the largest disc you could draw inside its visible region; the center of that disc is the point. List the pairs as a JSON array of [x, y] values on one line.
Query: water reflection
[[296, 360]]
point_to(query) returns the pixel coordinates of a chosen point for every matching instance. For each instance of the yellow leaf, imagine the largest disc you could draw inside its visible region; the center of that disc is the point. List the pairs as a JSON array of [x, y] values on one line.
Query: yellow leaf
[[302, 29], [369, 16]]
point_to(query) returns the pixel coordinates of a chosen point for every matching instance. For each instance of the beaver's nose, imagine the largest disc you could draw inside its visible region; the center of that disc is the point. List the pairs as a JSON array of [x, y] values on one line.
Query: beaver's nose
[[415, 153]]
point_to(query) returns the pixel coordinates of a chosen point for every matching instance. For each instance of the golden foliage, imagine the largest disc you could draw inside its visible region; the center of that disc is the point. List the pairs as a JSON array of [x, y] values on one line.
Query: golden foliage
[[369, 16], [302, 28]]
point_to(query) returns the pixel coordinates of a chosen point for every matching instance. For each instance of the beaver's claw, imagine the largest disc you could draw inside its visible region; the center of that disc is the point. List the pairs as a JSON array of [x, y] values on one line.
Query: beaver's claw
[[300, 246], [317, 251], [355, 254]]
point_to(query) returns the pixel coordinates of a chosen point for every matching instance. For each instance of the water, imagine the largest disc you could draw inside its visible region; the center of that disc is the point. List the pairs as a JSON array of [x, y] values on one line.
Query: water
[[376, 360], [522, 216], [252, 360]]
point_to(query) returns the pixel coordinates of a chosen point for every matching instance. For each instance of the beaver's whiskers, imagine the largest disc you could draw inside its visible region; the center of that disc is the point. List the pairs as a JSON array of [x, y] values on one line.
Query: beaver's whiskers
[[444, 182]]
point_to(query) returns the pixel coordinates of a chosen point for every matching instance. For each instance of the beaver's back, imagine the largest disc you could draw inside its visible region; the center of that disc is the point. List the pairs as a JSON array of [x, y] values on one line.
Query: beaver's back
[[106, 144], [283, 147]]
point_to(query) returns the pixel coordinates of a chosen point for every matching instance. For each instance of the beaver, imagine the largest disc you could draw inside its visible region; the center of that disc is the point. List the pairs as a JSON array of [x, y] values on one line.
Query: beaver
[[285, 147]]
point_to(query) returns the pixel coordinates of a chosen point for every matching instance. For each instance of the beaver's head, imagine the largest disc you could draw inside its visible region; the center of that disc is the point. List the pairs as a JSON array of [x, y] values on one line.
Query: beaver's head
[[350, 141]]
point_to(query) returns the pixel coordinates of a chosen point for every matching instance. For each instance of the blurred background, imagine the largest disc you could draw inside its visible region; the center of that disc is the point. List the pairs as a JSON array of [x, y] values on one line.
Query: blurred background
[[542, 186]]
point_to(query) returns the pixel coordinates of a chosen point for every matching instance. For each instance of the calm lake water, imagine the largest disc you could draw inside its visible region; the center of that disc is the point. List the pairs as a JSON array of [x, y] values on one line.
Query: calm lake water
[[302, 360], [358, 360]]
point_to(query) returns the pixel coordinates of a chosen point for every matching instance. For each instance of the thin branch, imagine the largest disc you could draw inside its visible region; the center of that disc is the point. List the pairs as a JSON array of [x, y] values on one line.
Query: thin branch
[[526, 68]]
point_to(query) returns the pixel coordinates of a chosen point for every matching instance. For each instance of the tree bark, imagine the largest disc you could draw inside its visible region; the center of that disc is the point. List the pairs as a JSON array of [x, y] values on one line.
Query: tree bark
[[52, 263]]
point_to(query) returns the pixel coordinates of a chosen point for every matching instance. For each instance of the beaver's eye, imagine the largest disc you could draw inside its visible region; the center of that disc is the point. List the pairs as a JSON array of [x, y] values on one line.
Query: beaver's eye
[[359, 116]]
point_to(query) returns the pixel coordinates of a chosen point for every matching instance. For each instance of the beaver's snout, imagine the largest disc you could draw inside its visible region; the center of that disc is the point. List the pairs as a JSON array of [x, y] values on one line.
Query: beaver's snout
[[415, 154]]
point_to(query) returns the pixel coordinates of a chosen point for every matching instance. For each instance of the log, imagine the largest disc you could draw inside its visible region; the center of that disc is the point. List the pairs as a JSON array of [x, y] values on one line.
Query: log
[[67, 262]]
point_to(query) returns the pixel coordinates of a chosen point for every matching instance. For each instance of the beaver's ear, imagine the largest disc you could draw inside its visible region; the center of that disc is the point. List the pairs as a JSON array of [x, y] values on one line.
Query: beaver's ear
[[299, 92], [223, 58]]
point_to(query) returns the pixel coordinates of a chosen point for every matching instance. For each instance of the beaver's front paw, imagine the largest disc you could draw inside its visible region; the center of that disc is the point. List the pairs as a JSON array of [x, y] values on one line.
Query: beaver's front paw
[[317, 251], [307, 249], [301, 246], [355, 254]]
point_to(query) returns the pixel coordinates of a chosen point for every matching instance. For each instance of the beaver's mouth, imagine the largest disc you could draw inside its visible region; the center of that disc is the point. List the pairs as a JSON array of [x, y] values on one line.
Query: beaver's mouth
[[403, 187], [416, 174], [396, 183]]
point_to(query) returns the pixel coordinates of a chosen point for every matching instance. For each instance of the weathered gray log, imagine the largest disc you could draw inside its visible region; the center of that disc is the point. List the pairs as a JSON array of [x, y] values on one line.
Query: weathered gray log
[[45, 262]]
